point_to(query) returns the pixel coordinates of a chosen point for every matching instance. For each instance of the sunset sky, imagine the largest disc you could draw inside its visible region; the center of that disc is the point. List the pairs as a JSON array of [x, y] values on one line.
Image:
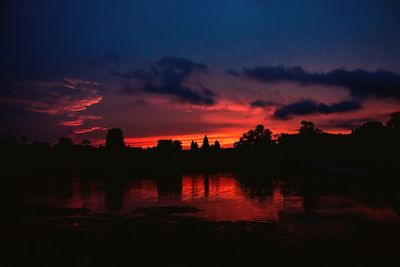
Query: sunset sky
[[180, 69]]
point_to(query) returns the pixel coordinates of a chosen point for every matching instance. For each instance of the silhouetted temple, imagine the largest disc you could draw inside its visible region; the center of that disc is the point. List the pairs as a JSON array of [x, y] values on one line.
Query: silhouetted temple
[[194, 146], [165, 145], [115, 139], [206, 144]]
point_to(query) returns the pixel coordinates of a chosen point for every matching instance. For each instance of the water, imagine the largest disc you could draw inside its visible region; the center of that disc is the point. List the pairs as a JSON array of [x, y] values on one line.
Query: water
[[202, 219], [218, 197]]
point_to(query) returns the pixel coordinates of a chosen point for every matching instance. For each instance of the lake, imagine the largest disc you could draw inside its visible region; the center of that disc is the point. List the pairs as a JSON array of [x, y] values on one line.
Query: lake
[[308, 213]]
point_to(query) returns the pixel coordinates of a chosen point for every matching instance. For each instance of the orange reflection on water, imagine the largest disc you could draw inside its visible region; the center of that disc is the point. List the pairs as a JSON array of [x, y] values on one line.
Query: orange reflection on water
[[88, 196], [193, 188], [222, 198], [212, 188], [143, 190]]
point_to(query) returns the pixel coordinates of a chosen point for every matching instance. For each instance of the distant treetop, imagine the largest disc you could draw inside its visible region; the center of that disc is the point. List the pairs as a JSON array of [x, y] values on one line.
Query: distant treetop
[[259, 137], [394, 121], [308, 128]]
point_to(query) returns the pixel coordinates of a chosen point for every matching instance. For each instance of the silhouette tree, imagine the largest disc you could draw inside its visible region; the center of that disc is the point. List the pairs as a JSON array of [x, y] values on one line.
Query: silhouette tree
[[371, 129], [86, 143], [8, 141], [394, 121], [115, 139], [308, 128], [393, 128], [65, 142], [24, 139], [372, 139], [205, 145], [194, 146], [259, 137]]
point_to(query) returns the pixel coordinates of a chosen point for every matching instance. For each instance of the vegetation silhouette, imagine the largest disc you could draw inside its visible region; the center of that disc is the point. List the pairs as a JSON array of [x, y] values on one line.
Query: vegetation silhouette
[[371, 147], [255, 139]]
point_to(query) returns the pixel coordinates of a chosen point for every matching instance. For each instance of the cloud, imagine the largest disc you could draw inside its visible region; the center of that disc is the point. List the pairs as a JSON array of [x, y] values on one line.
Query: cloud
[[360, 83], [307, 107], [262, 103], [64, 103], [53, 97], [171, 76], [344, 124], [88, 130], [78, 120]]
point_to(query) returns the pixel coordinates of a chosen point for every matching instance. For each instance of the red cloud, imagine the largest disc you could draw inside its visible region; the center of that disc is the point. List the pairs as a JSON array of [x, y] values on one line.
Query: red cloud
[[78, 120], [56, 97], [87, 130]]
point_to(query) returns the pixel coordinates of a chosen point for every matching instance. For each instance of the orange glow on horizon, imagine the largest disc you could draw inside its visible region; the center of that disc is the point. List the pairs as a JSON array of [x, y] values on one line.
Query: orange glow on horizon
[[228, 120], [226, 139]]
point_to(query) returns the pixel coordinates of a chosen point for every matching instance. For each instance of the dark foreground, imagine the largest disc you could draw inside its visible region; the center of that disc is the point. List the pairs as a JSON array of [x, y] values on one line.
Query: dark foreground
[[199, 220]]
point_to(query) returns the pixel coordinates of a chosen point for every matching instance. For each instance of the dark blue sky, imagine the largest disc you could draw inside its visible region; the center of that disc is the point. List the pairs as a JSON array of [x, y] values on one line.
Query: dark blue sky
[[312, 33], [86, 40]]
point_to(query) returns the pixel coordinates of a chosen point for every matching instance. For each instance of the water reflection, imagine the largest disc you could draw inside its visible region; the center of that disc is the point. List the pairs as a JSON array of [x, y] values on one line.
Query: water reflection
[[219, 197]]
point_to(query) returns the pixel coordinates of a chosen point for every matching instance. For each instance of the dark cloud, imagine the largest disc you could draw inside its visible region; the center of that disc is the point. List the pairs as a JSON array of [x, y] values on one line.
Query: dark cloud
[[170, 76], [345, 124], [209, 93], [360, 83], [233, 73], [306, 107], [261, 103]]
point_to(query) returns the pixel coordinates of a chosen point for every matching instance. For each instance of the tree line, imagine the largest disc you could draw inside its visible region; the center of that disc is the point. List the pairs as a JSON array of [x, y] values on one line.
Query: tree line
[[257, 138]]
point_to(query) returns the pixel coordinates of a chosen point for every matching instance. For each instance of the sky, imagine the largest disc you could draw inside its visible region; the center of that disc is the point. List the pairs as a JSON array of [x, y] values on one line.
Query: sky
[[162, 69]]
